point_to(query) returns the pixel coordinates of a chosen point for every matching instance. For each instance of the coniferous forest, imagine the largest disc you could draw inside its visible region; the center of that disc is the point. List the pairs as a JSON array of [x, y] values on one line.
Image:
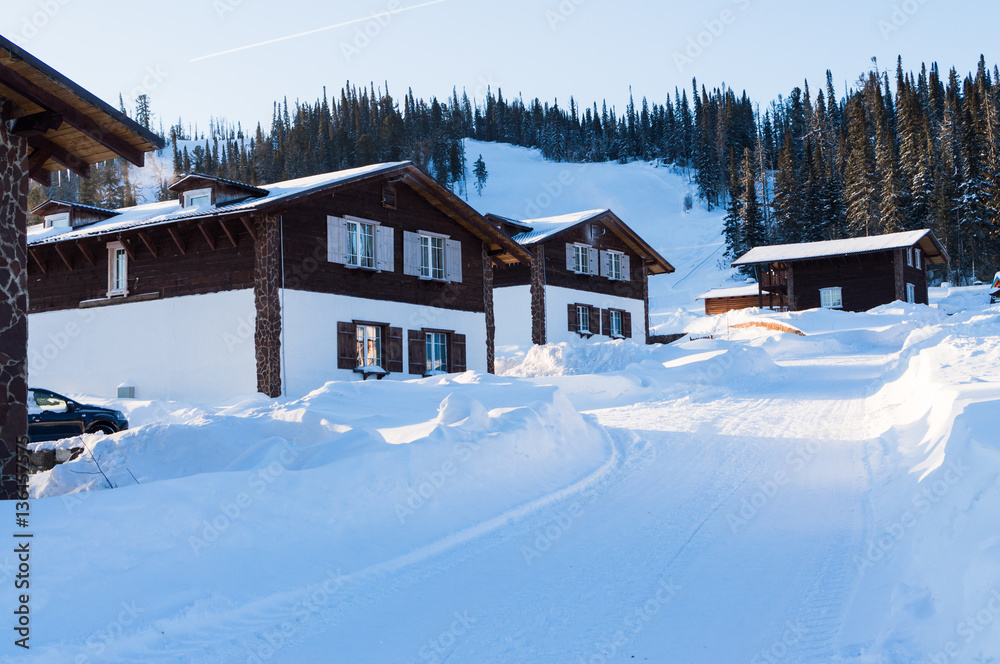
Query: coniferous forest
[[897, 151]]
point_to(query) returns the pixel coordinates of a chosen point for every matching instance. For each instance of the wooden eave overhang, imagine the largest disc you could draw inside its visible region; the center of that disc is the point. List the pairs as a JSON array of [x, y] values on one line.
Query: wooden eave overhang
[[66, 126]]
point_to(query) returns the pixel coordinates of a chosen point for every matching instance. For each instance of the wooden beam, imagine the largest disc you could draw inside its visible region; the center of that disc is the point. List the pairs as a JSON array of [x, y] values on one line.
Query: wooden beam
[[204, 234], [38, 261], [60, 155], [64, 257], [127, 247], [87, 253], [148, 241], [35, 167], [229, 234], [247, 225], [177, 239], [70, 115], [35, 124]]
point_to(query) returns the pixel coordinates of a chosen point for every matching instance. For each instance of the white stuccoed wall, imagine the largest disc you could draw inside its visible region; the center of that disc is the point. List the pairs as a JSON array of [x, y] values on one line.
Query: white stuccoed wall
[[196, 348], [558, 299], [310, 334], [512, 306]]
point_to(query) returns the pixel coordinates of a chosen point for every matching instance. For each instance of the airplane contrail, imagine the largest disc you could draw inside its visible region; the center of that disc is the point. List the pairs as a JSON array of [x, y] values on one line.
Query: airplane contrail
[[312, 32]]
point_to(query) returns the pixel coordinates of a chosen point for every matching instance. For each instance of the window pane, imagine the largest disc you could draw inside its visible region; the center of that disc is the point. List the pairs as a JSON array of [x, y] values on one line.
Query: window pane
[[436, 348]]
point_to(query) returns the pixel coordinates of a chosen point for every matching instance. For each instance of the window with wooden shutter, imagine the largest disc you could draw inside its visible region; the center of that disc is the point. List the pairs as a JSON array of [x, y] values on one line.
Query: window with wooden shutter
[[385, 258], [389, 196], [347, 346], [411, 254], [571, 313], [394, 350], [606, 322], [453, 261], [606, 264], [626, 268], [571, 257], [627, 324], [458, 361], [336, 240], [593, 263], [415, 347], [595, 320]]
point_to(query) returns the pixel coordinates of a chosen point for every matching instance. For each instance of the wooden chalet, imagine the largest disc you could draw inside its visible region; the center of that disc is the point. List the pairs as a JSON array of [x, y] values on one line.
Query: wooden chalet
[[47, 123], [721, 300], [853, 274], [588, 279], [369, 272]]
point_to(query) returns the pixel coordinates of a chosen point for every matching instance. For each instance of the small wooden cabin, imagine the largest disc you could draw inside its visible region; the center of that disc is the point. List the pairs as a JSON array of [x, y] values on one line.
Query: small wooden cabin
[[721, 300], [230, 289], [853, 274], [588, 279]]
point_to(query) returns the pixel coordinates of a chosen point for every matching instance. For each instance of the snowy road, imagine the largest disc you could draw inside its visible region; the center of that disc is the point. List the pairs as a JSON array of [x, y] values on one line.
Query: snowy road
[[773, 498]]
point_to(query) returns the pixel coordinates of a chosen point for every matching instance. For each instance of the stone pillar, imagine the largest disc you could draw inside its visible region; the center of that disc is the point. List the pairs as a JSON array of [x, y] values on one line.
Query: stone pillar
[[538, 296], [491, 322], [267, 298], [645, 300], [13, 302]]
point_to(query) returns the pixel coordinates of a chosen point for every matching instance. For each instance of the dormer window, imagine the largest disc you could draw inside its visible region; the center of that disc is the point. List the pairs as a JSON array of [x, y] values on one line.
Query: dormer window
[[60, 220], [198, 198]]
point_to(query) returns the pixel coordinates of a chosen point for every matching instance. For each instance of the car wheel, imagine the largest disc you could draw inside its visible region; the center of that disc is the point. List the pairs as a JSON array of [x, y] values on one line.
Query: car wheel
[[106, 429]]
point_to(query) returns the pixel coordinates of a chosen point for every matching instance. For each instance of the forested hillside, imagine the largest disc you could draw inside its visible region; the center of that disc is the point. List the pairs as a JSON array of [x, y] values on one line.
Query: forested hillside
[[895, 152]]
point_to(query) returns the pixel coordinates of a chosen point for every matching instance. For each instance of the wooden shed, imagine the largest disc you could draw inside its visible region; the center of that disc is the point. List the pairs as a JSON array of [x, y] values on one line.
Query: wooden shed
[[721, 300], [854, 274]]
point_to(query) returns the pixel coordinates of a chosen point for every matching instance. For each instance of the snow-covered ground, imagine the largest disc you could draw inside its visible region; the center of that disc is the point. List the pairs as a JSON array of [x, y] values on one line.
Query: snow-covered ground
[[817, 498], [817, 486]]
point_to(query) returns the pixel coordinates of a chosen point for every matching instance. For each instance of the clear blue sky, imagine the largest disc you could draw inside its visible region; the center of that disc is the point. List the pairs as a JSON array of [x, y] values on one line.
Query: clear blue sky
[[592, 49]]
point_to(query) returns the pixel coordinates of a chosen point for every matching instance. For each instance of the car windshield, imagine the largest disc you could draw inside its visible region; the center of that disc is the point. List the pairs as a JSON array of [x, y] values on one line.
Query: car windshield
[[46, 401]]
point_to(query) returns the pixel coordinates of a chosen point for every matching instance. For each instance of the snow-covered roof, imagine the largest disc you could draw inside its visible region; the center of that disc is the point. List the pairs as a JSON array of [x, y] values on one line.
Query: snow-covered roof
[[546, 227], [151, 214], [807, 250], [735, 291]]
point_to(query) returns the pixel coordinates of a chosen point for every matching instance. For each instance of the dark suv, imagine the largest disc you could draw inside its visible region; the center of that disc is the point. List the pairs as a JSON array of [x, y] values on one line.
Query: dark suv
[[52, 416]]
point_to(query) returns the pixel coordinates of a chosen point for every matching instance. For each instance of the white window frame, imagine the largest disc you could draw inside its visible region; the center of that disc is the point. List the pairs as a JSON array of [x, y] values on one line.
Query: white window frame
[[831, 298], [583, 319], [909, 257], [58, 220], [117, 270], [614, 315], [366, 336], [581, 258], [354, 225], [436, 352], [911, 293], [917, 258], [615, 265], [189, 196], [428, 269]]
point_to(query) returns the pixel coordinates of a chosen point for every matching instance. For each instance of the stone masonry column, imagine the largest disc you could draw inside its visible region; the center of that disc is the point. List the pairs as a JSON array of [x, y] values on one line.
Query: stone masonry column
[[13, 302], [267, 300], [538, 296]]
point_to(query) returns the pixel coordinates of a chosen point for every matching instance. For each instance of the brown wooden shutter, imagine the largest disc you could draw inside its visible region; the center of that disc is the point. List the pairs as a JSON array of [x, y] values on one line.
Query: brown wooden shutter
[[627, 324], [347, 346], [572, 317], [394, 350], [458, 362], [606, 322], [418, 353], [595, 320]]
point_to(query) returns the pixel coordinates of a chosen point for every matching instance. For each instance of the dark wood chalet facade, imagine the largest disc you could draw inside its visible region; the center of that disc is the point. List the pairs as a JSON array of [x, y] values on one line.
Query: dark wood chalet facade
[[853, 274], [720, 300], [588, 279], [232, 288]]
